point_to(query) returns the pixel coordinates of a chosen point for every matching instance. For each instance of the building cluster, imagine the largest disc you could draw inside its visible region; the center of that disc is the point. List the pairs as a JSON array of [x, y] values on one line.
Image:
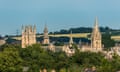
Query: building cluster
[[29, 38]]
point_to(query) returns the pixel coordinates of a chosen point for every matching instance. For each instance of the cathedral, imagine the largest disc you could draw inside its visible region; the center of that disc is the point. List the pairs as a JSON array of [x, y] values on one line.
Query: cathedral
[[28, 35], [29, 38]]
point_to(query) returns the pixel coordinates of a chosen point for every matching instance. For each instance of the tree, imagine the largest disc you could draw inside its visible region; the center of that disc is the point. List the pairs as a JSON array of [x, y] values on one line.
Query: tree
[[87, 58], [10, 60], [60, 60], [36, 58], [107, 41]]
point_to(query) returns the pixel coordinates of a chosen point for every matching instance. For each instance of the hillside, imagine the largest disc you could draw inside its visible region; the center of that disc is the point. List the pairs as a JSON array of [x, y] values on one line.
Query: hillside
[[80, 32], [86, 30]]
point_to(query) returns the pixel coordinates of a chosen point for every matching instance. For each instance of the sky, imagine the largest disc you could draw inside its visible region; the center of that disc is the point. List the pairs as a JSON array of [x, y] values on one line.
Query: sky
[[57, 14]]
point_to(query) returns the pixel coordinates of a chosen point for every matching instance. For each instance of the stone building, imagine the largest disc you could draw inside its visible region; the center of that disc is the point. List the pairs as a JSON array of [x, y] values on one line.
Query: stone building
[[96, 40], [68, 48], [2, 41], [28, 35], [116, 49], [46, 37], [51, 47]]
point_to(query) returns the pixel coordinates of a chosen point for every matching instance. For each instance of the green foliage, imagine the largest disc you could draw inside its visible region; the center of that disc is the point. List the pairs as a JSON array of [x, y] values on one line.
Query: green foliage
[[107, 41], [14, 58], [35, 57], [10, 60], [59, 43], [61, 60], [44, 44], [88, 58]]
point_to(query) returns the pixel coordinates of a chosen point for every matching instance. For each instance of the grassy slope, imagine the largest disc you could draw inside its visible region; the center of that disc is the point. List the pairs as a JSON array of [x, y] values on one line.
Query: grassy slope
[[76, 35]]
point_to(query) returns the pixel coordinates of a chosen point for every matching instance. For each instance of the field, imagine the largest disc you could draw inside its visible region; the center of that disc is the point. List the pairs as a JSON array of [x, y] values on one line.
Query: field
[[76, 35], [116, 38]]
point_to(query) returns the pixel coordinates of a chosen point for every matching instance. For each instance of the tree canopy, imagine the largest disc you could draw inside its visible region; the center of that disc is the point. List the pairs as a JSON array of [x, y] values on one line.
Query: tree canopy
[[14, 58]]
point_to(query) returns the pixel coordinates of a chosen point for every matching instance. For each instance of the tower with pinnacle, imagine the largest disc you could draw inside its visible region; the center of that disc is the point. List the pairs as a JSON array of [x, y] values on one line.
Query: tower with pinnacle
[[46, 37], [96, 42], [71, 39], [28, 35]]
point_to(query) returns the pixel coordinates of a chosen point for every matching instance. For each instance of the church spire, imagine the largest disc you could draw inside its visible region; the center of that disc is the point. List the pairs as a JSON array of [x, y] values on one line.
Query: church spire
[[45, 28], [96, 23], [71, 39], [34, 28], [96, 37], [46, 37], [22, 28]]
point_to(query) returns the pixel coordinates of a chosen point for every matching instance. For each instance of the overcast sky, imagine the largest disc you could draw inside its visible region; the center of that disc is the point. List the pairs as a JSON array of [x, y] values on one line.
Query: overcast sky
[[59, 14]]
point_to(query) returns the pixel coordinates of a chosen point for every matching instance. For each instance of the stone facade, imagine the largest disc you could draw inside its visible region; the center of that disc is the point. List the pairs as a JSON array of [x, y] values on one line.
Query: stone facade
[[116, 49], [46, 37], [28, 35], [29, 38], [96, 37], [2, 42], [51, 47], [96, 44], [68, 48]]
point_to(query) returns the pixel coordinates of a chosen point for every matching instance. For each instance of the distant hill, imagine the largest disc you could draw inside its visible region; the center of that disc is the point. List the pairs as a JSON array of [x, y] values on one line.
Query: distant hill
[[87, 30], [63, 34]]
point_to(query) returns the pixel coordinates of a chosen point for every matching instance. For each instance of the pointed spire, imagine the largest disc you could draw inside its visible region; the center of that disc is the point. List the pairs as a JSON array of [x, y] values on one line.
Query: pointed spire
[[96, 36], [26, 28], [31, 28], [96, 22], [22, 28], [34, 28], [46, 37], [96, 27], [45, 29], [71, 39]]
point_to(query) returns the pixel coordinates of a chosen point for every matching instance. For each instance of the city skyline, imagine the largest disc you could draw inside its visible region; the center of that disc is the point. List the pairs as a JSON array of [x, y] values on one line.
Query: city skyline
[[63, 14]]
